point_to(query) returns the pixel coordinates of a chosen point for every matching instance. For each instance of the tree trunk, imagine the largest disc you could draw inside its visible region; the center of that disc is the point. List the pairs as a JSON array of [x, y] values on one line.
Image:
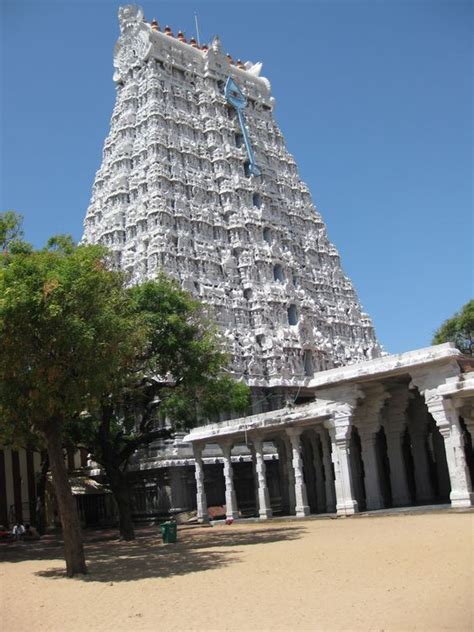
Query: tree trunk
[[121, 491], [73, 548], [41, 494]]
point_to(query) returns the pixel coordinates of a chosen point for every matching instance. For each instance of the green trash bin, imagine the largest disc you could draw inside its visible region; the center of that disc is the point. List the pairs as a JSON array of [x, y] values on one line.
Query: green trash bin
[[169, 532]]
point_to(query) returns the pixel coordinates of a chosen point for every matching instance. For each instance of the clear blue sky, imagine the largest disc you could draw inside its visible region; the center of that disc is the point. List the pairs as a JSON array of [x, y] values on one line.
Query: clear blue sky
[[374, 99]]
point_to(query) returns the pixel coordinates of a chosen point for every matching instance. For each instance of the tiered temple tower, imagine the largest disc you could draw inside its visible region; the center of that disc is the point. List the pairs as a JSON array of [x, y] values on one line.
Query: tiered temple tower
[[196, 181]]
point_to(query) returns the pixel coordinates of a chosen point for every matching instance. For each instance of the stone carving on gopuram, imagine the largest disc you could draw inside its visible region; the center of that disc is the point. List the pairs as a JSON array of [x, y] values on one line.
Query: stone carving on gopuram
[[196, 181]]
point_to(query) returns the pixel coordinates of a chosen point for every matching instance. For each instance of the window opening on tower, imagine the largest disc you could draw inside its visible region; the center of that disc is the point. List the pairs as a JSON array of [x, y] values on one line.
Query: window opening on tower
[[239, 140], [292, 315], [278, 273], [257, 200], [267, 235]]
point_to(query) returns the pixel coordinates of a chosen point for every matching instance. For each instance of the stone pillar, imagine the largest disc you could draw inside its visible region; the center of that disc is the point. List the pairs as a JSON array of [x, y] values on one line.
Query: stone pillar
[[230, 498], [431, 384], [201, 501], [328, 471], [264, 507], [340, 432], [289, 473], [318, 473], [373, 488], [394, 425], [255, 477], [368, 423], [301, 506], [341, 402], [447, 420]]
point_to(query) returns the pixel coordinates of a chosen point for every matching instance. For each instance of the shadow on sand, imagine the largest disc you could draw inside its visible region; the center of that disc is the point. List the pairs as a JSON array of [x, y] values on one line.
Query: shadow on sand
[[195, 551]]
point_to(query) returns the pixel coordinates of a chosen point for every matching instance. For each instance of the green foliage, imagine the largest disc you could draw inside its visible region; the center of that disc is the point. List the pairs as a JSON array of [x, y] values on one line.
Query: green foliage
[[179, 375], [67, 329], [11, 234], [190, 405], [104, 362], [182, 342], [86, 360], [459, 329], [61, 243]]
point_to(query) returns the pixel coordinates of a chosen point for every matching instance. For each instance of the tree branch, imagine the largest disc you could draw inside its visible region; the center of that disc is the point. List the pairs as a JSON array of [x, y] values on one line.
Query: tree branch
[[143, 439]]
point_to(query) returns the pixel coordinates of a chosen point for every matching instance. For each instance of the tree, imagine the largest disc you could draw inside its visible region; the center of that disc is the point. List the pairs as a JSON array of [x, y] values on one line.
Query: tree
[[180, 377], [459, 329], [67, 332], [102, 364], [11, 233]]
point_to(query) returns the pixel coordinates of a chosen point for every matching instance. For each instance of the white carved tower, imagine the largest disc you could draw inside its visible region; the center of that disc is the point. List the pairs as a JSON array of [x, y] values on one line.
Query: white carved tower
[[196, 181]]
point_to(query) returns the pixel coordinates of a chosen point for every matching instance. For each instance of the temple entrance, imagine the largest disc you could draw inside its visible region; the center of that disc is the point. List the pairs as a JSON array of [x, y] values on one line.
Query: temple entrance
[[244, 483]]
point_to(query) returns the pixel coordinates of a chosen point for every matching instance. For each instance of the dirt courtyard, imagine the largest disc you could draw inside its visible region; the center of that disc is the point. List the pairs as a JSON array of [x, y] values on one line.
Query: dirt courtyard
[[399, 572]]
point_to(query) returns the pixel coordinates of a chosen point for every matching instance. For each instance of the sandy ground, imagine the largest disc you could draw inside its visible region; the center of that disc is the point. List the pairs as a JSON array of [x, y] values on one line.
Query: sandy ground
[[370, 573]]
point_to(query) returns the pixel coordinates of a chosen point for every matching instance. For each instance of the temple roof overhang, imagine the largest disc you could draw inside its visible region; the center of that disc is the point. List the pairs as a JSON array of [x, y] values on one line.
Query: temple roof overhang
[[455, 375], [301, 415], [389, 366]]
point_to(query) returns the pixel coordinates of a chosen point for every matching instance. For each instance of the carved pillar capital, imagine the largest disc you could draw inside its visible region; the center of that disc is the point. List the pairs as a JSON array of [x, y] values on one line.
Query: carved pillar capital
[[443, 412], [340, 426], [198, 450], [294, 433], [341, 396], [256, 438], [368, 414], [342, 402], [226, 447], [394, 414], [427, 382]]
